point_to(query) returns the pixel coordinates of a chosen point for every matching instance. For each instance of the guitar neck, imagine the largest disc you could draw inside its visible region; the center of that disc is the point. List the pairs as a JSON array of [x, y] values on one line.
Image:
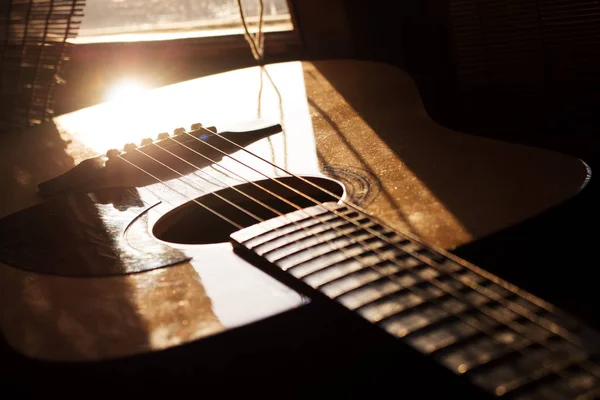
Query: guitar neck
[[504, 340]]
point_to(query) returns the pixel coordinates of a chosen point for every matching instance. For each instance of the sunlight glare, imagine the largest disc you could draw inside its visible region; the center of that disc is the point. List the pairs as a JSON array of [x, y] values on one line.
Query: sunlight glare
[[124, 91], [127, 104]]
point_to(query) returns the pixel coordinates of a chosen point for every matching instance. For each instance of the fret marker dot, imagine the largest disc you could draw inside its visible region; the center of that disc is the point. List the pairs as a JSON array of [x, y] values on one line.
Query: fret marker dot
[[500, 390], [462, 368]]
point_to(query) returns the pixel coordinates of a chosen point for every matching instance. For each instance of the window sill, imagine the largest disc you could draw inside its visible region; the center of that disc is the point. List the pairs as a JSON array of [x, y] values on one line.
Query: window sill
[[281, 24]]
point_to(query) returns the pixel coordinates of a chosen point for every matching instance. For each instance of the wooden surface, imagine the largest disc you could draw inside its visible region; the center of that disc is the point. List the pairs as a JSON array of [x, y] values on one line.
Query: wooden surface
[[360, 123]]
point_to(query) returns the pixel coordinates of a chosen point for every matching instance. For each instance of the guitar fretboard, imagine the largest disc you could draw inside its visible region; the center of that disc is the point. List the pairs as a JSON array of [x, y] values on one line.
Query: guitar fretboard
[[504, 340]]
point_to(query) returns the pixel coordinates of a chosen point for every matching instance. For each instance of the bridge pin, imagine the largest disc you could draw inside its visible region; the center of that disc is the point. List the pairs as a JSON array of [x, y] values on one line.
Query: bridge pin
[[146, 142], [196, 126], [163, 135], [129, 147], [112, 153], [179, 131]]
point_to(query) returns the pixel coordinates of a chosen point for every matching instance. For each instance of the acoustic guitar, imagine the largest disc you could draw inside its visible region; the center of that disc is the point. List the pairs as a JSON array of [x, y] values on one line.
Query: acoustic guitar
[[291, 239]]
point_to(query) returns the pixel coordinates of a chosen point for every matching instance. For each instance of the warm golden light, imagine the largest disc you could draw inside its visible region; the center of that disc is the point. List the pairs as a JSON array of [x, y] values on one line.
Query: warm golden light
[[125, 91]]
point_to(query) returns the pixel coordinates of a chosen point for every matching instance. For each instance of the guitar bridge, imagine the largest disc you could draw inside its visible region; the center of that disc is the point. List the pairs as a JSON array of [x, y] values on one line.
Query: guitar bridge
[[116, 168]]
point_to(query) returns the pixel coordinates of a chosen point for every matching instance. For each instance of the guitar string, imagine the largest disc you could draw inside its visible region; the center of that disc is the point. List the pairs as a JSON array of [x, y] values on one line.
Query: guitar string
[[176, 191], [226, 185], [502, 322], [216, 194], [473, 285]]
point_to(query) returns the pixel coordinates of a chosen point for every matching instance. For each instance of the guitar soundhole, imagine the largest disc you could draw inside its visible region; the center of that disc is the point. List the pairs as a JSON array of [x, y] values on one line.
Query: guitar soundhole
[[194, 223]]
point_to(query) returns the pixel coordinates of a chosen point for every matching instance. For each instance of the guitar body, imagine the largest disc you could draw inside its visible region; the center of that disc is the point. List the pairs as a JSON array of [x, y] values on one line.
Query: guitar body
[[95, 276]]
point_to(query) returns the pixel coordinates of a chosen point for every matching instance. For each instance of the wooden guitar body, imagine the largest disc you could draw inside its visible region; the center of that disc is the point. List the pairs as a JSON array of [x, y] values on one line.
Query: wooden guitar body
[[91, 276]]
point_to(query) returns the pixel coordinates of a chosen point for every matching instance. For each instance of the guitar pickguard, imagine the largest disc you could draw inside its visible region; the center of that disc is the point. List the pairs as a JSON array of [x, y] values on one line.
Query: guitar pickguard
[[87, 234]]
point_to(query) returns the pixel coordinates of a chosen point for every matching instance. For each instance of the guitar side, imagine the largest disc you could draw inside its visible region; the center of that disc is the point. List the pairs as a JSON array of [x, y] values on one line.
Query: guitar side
[[360, 123]]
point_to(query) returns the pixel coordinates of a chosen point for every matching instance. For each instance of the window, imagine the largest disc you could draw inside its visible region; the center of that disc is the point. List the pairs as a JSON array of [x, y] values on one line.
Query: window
[[160, 42], [141, 20]]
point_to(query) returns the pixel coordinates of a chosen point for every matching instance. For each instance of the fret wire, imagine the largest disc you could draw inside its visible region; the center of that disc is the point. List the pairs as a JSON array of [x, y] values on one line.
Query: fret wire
[[369, 248], [563, 333], [449, 315], [348, 249], [418, 281], [286, 257], [270, 246], [288, 228], [345, 275], [442, 320], [329, 229]]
